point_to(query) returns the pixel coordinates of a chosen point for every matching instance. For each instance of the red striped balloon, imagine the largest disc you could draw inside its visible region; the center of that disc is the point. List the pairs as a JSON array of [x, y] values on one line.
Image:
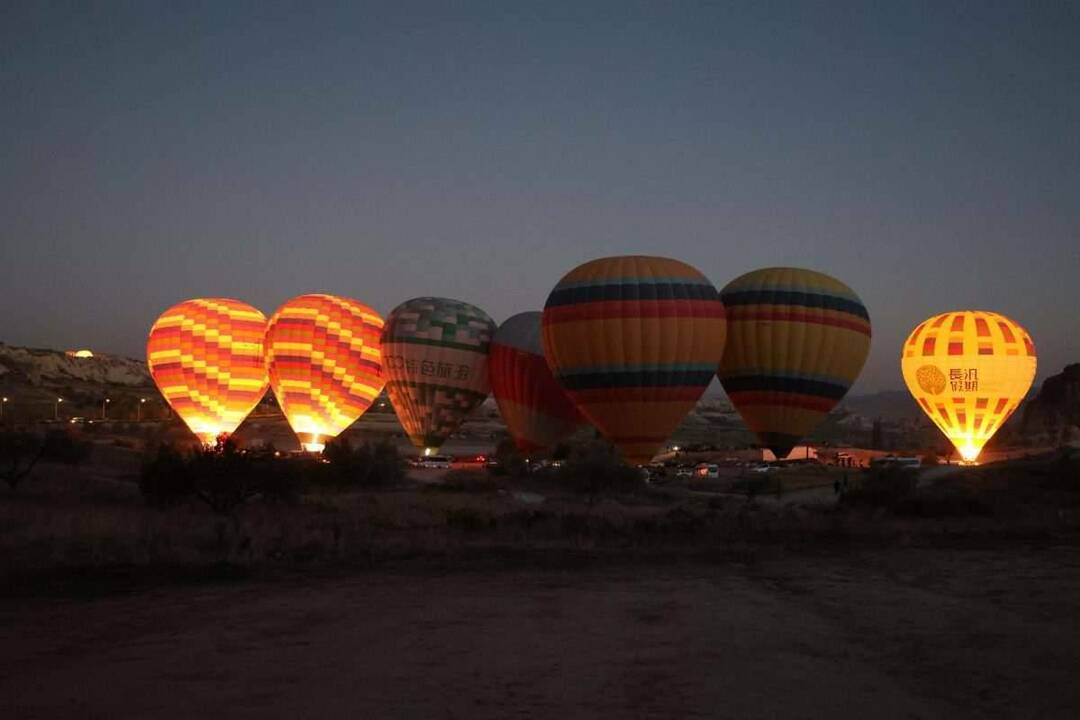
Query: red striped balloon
[[635, 341], [537, 411]]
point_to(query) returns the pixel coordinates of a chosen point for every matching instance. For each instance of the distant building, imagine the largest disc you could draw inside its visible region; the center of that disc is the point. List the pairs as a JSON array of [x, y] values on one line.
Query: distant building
[[799, 452]]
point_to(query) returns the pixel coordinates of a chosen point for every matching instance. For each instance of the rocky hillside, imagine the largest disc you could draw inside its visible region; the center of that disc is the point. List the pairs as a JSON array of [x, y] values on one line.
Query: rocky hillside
[[1054, 413], [51, 368], [32, 379]]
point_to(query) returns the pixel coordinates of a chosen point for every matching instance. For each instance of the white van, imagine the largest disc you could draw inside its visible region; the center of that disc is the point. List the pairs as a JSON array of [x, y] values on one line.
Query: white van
[[441, 462]]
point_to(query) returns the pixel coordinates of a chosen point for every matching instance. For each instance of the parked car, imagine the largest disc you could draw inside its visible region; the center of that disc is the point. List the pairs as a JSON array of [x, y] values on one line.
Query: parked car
[[440, 462], [684, 471], [465, 462], [706, 471]]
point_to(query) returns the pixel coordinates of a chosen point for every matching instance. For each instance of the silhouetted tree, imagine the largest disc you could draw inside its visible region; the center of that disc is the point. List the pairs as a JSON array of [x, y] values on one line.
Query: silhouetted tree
[[19, 453]]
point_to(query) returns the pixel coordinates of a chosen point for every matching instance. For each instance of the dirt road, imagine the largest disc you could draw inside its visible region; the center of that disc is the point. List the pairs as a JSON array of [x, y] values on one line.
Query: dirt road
[[906, 634]]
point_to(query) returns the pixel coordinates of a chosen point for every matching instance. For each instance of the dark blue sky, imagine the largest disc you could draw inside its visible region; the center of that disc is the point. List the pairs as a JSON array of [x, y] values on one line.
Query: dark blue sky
[[926, 154]]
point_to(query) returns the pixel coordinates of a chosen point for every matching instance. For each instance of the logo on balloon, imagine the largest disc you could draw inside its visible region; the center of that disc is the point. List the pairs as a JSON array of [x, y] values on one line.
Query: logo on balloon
[[931, 379]]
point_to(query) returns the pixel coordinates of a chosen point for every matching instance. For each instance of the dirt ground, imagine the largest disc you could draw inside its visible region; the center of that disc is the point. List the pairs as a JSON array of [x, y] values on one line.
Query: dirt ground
[[902, 634]]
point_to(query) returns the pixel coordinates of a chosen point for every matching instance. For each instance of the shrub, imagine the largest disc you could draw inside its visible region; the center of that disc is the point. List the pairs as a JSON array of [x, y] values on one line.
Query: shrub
[[223, 477], [369, 465], [883, 487], [227, 476], [754, 485], [61, 446], [19, 452], [166, 479], [947, 500], [468, 481], [596, 468], [511, 461]]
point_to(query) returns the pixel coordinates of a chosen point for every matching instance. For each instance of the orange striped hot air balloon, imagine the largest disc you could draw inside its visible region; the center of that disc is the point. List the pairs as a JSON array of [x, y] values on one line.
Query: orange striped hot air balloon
[[635, 342], [324, 358], [968, 370], [206, 357]]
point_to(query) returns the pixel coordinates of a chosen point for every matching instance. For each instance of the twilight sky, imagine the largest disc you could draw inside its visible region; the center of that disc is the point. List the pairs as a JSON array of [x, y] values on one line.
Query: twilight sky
[[926, 154]]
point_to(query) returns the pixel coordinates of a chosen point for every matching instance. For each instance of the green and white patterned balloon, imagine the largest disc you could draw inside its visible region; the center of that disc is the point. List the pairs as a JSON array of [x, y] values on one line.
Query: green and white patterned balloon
[[435, 354]]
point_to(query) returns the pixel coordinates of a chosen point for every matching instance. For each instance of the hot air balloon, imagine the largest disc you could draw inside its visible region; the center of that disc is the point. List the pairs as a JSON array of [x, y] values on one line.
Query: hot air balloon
[[968, 370], [206, 357], [324, 358], [436, 354], [635, 341], [537, 411], [797, 340]]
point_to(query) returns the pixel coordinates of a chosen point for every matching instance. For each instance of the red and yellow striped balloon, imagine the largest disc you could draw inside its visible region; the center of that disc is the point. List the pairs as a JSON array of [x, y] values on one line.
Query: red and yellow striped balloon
[[797, 340], [635, 341], [324, 357], [206, 357]]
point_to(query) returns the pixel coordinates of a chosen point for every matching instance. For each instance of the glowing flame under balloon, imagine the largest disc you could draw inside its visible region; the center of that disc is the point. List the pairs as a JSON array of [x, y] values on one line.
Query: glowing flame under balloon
[[968, 370]]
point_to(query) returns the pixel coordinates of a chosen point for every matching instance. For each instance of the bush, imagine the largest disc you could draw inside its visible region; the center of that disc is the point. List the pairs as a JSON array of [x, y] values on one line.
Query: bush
[[511, 461], [468, 481], [166, 479], [596, 468], [883, 487], [754, 485], [61, 446], [226, 476], [19, 452], [949, 500], [223, 477], [369, 465]]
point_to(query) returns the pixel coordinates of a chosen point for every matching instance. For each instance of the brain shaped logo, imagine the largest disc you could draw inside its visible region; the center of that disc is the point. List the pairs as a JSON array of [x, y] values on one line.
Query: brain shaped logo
[[931, 379]]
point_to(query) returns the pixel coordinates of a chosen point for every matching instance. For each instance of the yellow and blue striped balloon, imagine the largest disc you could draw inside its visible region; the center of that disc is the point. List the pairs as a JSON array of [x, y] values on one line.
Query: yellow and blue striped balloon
[[635, 341], [797, 340]]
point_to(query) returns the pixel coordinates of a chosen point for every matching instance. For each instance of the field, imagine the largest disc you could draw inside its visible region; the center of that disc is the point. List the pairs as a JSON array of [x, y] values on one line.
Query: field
[[890, 634], [472, 596]]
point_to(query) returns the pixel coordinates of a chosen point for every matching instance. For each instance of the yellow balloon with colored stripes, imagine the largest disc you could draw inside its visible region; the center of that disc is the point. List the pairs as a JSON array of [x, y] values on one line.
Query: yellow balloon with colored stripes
[[969, 370], [634, 341], [797, 340]]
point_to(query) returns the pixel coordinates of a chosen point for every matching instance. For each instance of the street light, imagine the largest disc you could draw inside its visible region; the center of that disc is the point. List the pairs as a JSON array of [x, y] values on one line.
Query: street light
[[141, 401], [56, 408], [2, 404], [104, 403]]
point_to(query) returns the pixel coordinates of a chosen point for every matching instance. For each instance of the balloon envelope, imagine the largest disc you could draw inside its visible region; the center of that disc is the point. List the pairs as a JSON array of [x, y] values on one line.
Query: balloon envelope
[[968, 370], [206, 357], [635, 341], [324, 358], [537, 411], [797, 340], [436, 358]]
